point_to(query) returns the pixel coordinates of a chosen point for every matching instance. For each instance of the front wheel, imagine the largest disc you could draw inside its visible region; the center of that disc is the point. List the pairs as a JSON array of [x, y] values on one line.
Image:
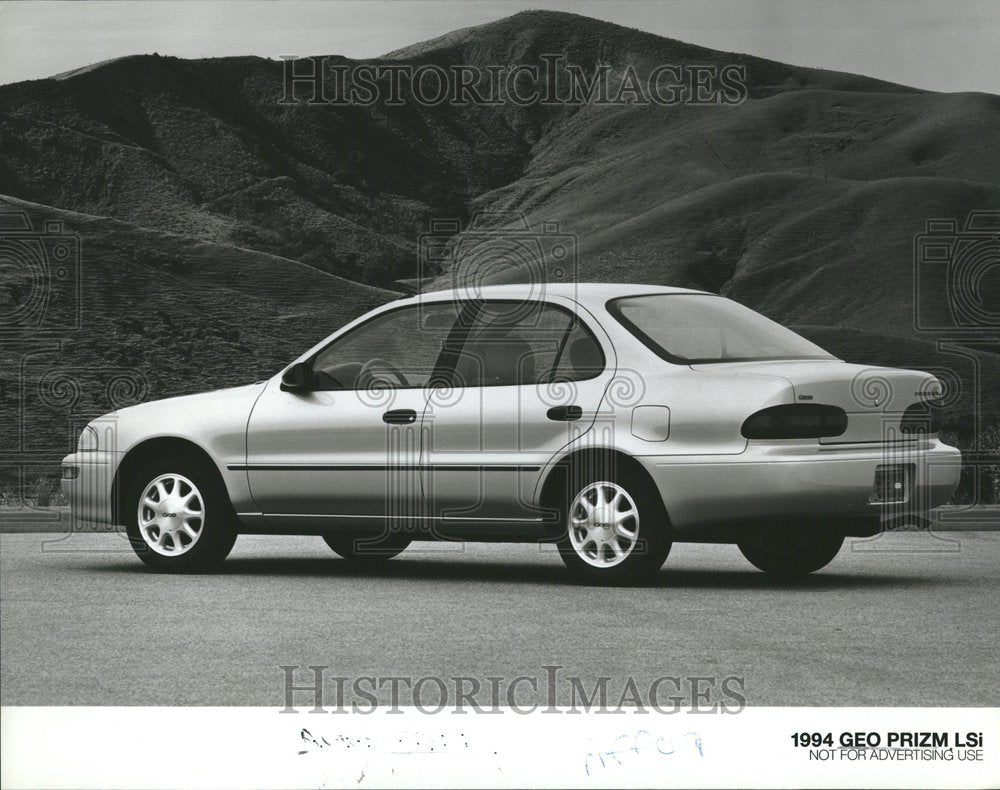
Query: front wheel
[[789, 551], [615, 533], [178, 516]]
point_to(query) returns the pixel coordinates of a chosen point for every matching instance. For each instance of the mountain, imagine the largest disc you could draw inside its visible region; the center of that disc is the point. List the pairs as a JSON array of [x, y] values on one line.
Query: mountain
[[192, 184], [204, 149]]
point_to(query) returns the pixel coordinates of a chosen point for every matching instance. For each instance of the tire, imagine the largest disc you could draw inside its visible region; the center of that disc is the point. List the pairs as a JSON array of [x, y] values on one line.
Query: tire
[[616, 530], [788, 551], [366, 548], [195, 527]]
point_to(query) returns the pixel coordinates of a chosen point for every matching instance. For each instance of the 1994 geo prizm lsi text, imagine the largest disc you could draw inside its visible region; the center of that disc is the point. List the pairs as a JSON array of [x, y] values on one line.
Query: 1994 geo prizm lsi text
[[610, 420]]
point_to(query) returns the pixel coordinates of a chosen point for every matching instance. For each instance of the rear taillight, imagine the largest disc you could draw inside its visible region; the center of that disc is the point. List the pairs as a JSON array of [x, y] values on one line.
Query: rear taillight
[[796, 421], [922, 417]]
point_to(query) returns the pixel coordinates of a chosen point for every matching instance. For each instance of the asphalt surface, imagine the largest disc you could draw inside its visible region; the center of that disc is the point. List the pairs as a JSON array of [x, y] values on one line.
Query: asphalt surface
[[910, 619]]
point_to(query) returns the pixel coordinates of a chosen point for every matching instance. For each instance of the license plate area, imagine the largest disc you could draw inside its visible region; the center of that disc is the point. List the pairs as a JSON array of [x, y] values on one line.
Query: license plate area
[[892, 484]]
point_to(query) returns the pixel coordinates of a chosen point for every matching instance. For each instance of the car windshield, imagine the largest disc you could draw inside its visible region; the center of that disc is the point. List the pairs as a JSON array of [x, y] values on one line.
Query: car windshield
[[700, 328]]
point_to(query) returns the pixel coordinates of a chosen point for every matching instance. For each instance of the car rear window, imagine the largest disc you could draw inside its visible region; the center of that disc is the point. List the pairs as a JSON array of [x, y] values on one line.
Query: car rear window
[[702, 328]]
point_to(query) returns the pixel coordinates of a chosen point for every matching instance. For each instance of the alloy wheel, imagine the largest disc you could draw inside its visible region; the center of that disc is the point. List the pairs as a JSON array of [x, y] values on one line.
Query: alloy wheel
[[171, 515], [604, 524]]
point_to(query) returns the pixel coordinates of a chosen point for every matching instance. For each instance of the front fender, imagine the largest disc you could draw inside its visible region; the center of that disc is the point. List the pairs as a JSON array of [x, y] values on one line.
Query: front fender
[[215, 421]]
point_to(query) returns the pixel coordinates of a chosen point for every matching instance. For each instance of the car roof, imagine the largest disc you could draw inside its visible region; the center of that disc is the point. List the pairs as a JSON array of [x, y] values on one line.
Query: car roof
[[585, 293]]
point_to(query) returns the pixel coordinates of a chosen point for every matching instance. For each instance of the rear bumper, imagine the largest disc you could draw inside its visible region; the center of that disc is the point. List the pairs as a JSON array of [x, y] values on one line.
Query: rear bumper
[[89, 490], [797, 480]]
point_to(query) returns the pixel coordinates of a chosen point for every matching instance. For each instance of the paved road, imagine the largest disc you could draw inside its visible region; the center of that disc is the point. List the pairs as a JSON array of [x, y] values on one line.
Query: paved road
[[912, 620]]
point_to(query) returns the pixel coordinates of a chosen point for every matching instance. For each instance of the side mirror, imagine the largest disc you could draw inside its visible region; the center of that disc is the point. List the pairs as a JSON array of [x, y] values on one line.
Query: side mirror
[[298, 378]]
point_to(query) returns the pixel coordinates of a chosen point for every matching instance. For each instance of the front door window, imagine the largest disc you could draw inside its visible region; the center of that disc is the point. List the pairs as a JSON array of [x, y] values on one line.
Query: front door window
[[395, 350]]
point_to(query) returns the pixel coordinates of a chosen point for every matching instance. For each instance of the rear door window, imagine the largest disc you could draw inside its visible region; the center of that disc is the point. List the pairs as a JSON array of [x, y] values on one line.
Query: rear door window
[[521, 344]]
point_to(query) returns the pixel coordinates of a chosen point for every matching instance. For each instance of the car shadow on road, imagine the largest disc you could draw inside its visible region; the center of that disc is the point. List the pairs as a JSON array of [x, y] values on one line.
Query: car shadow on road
[[464, 571], [691, 578]]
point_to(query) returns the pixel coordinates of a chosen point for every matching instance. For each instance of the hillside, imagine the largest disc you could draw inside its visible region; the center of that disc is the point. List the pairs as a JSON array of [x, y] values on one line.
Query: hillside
[[204, 149], [159, 314], [199, 192]]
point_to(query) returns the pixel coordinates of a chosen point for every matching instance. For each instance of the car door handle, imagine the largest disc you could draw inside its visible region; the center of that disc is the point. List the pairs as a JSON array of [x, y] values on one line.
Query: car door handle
[[564, 413], [400, 416]]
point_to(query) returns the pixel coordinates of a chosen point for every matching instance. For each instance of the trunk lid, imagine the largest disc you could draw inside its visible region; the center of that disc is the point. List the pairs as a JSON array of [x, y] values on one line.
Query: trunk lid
[[874, 398]]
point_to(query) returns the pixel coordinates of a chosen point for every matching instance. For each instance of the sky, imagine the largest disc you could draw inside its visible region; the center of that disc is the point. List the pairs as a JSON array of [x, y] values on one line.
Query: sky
[[937, 45]]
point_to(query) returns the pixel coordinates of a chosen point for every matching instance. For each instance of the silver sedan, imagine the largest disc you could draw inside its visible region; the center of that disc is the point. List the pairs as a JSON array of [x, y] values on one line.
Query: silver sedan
[[608, 421]]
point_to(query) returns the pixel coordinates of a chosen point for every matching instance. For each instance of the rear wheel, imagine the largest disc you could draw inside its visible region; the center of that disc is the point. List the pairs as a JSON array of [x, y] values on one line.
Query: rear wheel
[[366, 548], [615, 532], [178, 516], [788, 550]]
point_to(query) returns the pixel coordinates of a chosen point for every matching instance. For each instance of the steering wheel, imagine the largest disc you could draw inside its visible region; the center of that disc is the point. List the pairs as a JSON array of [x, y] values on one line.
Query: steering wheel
[[367, 375]]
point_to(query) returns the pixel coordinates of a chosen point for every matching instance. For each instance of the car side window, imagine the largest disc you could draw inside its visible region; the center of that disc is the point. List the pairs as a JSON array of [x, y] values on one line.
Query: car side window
[[518, 343], [397, 349], [581, 356]]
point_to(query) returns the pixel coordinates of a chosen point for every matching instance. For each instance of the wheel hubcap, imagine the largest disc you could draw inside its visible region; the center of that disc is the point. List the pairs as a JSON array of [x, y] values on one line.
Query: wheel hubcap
[[604, 524], [171, 515]]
